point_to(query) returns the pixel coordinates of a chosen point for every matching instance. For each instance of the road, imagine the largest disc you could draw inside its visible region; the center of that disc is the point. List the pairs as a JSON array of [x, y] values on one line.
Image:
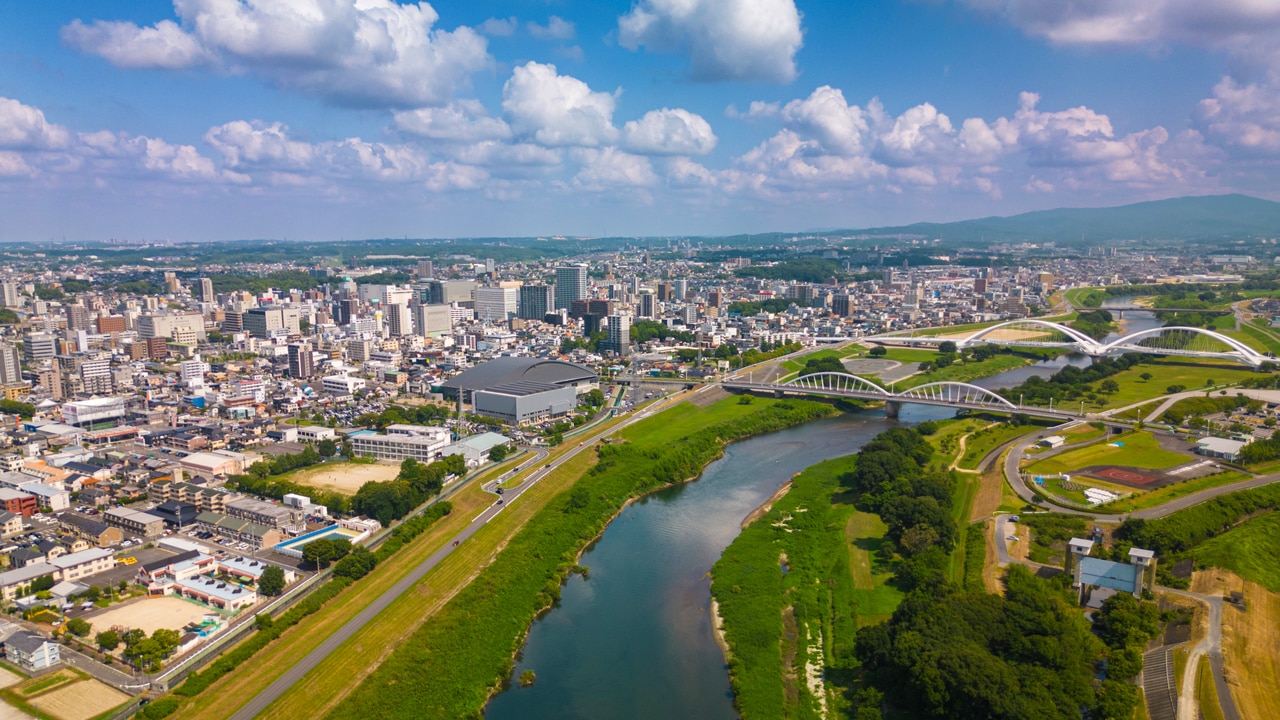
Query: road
[[308, 663]]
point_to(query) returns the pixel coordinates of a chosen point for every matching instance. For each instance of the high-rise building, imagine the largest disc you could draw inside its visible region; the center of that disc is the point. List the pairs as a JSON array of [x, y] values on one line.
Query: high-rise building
[[432, 320], [619, 340], [10, 365], [347, 309], [10, 294], [111, 324], [444, 292], [535, 301], [184, 328], [79, 318], [399, 320], [666, 292], [426, 269], [272, 322], [682, 289], [571, 284], [40, 346], [495, 304], [301, 362], [206, 290], [715, 298], [646, 305], [842, 304]]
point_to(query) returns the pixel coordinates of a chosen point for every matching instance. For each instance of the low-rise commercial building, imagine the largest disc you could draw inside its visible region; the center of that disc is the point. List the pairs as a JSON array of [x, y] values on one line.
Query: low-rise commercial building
[[402, 441]]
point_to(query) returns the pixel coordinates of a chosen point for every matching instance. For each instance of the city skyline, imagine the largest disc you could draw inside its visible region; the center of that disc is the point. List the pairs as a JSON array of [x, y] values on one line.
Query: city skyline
[[210, 121]]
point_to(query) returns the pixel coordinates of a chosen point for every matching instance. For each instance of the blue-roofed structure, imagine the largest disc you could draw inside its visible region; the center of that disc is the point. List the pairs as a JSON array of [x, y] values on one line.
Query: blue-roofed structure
[[1108, 574]]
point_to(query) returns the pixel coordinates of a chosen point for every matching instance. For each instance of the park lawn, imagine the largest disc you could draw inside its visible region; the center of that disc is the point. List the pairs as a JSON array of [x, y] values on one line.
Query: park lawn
[[946, 438], [874, 598], [1140, 449], [1138, 413], [237, 687], [1171, 372], [1084, 433], [966, 372], [910, 355], [981, 443], [1163, 495], [1249, 550]]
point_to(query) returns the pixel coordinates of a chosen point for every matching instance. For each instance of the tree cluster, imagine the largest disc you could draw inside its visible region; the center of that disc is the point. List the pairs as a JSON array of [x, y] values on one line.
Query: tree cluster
[[1097, 324], [1071, 382], [805, 269], [823, 364], [416, 483], [645, 330], [968, 655], [323, 551]]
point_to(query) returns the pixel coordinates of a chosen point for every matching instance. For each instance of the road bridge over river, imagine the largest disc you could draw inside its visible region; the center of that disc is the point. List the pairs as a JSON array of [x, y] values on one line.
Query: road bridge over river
[[948, 394]]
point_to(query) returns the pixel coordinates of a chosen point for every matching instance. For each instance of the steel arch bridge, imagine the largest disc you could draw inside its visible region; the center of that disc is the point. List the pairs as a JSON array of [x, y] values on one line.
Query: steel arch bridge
[[1175, 340], [948, 393]]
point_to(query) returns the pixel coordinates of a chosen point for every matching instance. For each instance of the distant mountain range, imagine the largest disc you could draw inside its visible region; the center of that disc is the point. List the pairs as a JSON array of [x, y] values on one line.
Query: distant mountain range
[[1209, 217]]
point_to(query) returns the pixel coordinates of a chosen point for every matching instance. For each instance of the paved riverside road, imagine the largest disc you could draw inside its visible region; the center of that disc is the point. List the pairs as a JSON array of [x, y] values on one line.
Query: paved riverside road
[[308, 663]]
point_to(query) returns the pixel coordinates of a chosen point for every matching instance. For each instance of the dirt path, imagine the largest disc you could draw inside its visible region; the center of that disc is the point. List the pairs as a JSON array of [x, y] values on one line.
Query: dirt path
[[964, 439], [988, 497]]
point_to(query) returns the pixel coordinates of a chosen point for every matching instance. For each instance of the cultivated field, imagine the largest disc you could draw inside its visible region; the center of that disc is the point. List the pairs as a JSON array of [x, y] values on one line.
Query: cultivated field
[[344, 477], [9, 712], [80, 701], [151, 614], [8, 678]]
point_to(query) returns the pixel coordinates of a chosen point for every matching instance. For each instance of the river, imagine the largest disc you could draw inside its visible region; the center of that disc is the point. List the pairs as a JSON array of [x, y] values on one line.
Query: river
[[635, 640]]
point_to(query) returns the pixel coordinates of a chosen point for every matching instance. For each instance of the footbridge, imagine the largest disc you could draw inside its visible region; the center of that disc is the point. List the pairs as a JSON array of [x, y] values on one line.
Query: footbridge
[[949, 394], [1175, 341]]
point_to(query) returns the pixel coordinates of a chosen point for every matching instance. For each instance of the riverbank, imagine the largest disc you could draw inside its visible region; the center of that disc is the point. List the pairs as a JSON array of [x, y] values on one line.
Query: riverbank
[[470, 644], [767, 505]]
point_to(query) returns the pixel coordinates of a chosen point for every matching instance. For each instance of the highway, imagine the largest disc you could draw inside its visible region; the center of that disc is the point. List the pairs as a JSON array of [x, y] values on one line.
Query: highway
[[308, 663]]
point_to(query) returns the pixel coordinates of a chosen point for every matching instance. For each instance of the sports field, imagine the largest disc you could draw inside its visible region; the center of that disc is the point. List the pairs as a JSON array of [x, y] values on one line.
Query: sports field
[[150, 614], [344, 477], [1136, 449]]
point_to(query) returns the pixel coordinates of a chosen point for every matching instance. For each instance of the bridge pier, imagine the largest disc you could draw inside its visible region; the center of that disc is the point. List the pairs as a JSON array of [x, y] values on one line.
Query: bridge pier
[[891, 409]]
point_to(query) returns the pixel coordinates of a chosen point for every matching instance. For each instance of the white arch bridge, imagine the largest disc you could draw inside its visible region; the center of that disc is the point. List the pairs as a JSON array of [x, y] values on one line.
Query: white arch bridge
[[949, 394], [1176, 340]]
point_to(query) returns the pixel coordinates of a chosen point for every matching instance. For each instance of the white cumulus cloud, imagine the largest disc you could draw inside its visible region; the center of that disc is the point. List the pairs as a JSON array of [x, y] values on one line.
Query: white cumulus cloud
[[459, 121], [669, 132], [375, 53], [742, 40], [23, 127], [557, 28], [557, 110]]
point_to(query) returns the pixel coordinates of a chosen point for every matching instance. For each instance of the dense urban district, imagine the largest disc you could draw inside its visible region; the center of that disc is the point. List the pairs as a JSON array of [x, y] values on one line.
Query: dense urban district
[[343, 480]]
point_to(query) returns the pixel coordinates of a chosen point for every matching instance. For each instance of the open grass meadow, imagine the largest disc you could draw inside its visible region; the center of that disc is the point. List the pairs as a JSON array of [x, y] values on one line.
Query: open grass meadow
[[1249, 550], [966, 372], [1169, 372], [470, 643], [983, 442], [1134, 449]]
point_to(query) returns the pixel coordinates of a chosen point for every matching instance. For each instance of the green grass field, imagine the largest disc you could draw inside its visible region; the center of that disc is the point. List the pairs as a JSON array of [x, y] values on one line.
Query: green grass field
[[874, 598], [1169, 372], [966, 372], [981, 443], [1249, 550], [1259, 338], [1140, 449]]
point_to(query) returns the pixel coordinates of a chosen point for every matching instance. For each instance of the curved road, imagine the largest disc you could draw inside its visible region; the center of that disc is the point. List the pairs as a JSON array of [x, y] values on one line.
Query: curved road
[[308, 663]]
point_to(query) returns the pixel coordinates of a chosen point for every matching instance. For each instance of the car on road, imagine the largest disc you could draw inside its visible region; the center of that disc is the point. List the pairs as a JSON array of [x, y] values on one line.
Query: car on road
[[499, 502], [499, 491], [1013, 518]]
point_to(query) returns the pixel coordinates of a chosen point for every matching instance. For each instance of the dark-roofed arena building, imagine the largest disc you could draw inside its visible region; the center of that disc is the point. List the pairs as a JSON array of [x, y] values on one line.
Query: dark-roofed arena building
[[520, 390]]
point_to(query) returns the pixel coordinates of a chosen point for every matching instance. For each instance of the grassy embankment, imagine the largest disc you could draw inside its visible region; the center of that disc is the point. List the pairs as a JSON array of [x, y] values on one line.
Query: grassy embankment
[[966, 371], [1207, 692], [1249, 550], [983, 442], [1163, 495], [237, 687], [448, 667]]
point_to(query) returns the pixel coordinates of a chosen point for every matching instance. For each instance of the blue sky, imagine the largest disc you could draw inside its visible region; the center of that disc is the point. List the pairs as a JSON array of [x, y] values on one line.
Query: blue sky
[[328, 119]]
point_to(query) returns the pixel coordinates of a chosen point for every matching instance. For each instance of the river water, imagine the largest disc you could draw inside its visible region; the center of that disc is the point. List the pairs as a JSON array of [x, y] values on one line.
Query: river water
[[635, 640]]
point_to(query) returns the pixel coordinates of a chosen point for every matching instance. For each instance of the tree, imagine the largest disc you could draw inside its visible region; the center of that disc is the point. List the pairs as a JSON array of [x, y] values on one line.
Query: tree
[[878, 351], [79, 627], [271, 583], [1109, 386], [947, 347], [498, 453], [1146, 376], [108, 640], [166, 640], [327, 447], [318, 552]]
